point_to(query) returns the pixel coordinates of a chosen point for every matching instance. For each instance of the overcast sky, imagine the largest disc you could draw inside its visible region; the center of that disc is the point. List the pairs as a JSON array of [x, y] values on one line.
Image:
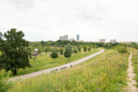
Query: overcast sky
[[91, 19]]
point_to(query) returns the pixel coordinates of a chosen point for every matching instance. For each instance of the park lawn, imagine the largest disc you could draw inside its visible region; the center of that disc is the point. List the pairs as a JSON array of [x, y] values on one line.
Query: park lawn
[[135, 63], [103, 73], [45, 61]]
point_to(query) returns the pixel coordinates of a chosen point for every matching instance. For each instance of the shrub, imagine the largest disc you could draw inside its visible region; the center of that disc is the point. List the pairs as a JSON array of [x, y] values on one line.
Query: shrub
[[121, 49]]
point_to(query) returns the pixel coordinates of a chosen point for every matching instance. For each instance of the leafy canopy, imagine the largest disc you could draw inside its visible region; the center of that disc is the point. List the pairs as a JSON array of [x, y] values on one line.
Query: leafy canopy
[[54, 54], [15, 51], [68, 51]]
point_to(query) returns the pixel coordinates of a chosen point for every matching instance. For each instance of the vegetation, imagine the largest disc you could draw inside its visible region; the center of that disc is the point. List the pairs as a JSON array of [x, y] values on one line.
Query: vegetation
[[85, 48], [68, 51], [104, 73], [89, 49], [46, 46], [79, 48], [135, 62], [121, 49], [133, 45], [61, 51], [44, 61], [75, 50], [15, 51], [3, 84], [54, 54]]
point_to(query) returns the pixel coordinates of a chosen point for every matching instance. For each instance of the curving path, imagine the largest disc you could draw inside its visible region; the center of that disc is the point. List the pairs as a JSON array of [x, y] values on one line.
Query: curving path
[[58, 68], [131, 75]]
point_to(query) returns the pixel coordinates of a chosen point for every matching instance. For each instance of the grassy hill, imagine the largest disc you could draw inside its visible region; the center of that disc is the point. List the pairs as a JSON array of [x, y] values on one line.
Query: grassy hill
[[45, 61], [104, 73]]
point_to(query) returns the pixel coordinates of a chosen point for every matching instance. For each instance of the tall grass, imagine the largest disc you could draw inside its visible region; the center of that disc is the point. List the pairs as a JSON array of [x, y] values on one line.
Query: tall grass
[[104, 73], [135, 63], [121, 49], [4, 85], [45, 62]]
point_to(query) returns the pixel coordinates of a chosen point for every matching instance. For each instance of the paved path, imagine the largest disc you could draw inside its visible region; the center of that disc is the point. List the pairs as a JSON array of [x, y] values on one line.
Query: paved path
[[131, 75], [58, 68]]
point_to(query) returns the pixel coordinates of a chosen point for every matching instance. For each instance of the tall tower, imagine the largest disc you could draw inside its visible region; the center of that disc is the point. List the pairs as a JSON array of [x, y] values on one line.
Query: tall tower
[[78, 37]]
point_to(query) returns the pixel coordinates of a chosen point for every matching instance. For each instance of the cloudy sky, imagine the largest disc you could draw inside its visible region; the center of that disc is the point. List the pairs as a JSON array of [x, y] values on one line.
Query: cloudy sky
[[91, 19]]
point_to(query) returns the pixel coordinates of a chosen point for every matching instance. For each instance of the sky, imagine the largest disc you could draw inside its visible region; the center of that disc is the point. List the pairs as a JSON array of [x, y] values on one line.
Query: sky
[[91, 19]]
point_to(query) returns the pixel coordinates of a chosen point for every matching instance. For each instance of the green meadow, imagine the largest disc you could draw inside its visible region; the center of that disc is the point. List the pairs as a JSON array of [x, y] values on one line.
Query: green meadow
[[103, 73], [45, 61]]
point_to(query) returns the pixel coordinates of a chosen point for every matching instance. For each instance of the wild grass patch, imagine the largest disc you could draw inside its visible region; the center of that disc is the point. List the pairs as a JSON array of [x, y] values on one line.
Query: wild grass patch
[[104, 73], [135, 63]]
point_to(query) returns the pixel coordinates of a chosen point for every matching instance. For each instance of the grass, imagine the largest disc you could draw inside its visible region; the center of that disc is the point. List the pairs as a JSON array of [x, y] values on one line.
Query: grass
[[104, 73], [44, 62], [135, 63]]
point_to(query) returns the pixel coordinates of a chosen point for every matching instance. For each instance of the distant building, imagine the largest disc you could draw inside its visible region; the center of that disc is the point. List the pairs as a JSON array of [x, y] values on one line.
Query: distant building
[[65, 37], [127, 42], [113, 41], [78, 37], [102, 40], [123, 42]]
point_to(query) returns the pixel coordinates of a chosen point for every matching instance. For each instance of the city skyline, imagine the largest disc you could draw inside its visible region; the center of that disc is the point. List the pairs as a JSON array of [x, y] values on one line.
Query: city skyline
[[92, 19]]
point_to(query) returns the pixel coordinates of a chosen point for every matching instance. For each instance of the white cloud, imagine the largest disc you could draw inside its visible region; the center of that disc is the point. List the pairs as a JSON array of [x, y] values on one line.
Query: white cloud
[[92, 19]]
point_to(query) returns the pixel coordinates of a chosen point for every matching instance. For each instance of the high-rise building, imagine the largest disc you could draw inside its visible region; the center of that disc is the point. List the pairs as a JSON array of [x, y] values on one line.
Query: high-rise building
[[65, 37], [102, 40], [78, 37]]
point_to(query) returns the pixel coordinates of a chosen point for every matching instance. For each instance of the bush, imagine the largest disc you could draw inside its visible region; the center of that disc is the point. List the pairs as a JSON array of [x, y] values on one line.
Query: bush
[[122, 49]]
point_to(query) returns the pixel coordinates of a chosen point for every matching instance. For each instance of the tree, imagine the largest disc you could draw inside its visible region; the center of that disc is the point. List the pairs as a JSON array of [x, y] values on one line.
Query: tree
[[47, 49], [54, 54], [61, 51], [89, 49], [68, 51], [85, 48], [79, 49], [16, 51], [75, 50], [1, 35]]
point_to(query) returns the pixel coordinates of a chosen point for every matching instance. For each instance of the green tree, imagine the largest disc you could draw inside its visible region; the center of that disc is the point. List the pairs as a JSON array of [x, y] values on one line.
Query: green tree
[[68, 51], [47, 49], [61, 51], [75, 50], [85, 48], [89, 49], [79, 49], [54, 54], [15, 51]]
